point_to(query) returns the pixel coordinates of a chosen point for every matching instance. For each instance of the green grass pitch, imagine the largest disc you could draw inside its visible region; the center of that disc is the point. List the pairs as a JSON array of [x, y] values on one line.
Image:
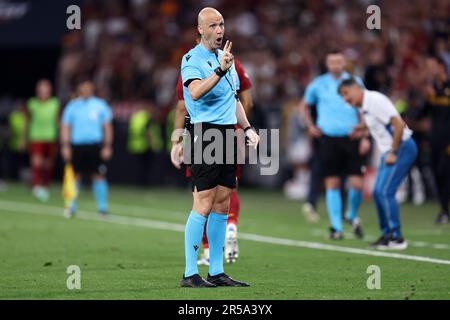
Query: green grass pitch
[[142, 258]]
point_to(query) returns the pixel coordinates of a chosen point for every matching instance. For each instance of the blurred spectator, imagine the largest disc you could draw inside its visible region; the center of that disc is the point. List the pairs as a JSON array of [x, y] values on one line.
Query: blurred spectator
[[42, 117], [17, 144], [144, 139], [133, 48], [438, 110], [298, 150], [412, 186], [3, 145]]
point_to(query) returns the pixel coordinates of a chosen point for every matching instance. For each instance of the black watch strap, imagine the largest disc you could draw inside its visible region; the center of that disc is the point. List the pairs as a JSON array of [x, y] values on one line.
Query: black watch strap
[[220, 72]]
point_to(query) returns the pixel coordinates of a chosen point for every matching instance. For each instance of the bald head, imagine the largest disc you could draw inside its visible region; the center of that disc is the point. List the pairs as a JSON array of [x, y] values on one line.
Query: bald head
[[211, 27], [207, 13]]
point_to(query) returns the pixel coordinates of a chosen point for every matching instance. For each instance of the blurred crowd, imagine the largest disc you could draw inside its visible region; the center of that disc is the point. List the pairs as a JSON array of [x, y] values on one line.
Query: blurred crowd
[[132, 50]]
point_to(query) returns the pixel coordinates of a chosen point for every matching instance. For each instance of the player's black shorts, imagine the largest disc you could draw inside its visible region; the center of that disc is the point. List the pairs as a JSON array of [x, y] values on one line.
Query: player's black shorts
[[86, 159], [340, 156], [206, 174]]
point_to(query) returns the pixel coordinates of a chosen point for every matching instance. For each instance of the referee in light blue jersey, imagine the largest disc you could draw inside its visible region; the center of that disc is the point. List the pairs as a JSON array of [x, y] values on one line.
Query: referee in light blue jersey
[[86, 140], [340, 147], [210, 83]]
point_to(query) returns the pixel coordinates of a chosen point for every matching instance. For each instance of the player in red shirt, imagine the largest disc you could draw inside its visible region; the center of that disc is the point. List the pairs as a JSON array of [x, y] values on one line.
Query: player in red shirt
[[231, 250]]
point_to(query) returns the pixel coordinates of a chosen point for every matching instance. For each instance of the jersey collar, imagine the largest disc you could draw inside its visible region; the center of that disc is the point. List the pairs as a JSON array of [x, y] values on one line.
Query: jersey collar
[[344, 75], [204, 51]]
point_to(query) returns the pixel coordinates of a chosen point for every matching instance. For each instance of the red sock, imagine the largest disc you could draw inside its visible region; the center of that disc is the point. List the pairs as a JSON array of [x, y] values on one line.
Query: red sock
[[205, 239], [235, 207], [36, 176], [47, 176]]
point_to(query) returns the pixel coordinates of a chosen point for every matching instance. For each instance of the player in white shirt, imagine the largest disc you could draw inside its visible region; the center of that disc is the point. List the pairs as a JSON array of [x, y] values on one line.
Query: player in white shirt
[[399, 151]]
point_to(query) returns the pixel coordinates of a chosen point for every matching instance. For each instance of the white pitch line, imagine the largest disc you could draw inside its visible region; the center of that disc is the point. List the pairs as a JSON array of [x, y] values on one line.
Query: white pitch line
[[155, 224], [143, 210], [316, 232], [440, 246], [417, 244]]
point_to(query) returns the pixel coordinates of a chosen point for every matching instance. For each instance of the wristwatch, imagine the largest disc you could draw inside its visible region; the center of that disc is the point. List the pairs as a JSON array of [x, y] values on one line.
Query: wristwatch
[[248, 128], [220, 72]]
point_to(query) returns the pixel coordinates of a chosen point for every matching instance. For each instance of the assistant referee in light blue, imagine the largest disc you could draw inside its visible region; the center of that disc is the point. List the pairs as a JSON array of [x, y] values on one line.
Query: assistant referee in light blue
[[340, 149], [86, 140]]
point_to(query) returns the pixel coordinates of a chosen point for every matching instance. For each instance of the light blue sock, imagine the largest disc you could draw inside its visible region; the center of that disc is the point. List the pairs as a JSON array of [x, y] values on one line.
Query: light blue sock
[[100, 187], [193, 235], [215, 231], [354, 201], [334, 206]]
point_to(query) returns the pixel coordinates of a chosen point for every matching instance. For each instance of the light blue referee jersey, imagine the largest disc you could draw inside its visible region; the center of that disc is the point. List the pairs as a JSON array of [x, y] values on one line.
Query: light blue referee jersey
[[218, 106], [335, 117], [86, 118]]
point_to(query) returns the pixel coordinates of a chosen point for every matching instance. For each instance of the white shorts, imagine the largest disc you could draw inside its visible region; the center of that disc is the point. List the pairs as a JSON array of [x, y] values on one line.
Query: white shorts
[[299, 151]]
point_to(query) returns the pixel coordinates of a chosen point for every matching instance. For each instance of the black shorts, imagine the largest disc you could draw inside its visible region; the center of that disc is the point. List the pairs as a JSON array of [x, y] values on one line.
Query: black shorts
[[86, 159], [340, 156], [206, 174]]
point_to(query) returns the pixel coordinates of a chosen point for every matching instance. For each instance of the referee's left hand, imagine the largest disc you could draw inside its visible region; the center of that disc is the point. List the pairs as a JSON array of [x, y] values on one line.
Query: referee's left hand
[[227, 56], [106, 153], [252, 138]]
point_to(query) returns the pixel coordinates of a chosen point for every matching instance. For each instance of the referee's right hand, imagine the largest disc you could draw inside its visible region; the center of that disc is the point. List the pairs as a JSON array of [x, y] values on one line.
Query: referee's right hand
[[176, 154], [252, 138], [314, 131]]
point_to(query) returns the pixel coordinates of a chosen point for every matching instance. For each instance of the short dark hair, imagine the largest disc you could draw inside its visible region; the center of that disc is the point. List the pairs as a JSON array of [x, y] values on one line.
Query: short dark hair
[[439, 60], [335, 51], [347, 83], [82, 79]]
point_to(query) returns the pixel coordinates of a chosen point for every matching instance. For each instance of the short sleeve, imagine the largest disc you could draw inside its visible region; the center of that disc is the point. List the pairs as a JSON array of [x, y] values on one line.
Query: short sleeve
[[67, 116], [29, 103], [311, 94], [190, 69], [56, 101], [383, 108], [107, 113]]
